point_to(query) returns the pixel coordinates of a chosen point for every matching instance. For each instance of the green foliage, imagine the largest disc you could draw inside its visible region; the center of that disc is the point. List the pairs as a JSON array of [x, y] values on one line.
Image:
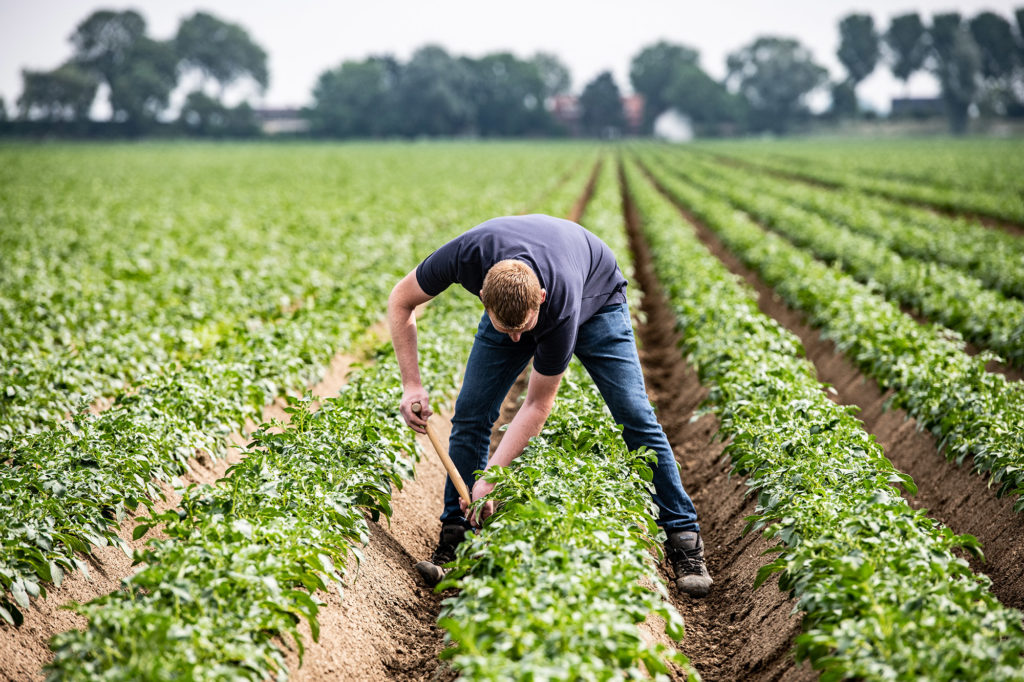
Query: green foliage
[[243, 556], [964, 176], [858, 46], [907, 41], [884, 594], [939, 292], [774, 75], [165, 306], [66, 93], [220, 50], [972, 412]]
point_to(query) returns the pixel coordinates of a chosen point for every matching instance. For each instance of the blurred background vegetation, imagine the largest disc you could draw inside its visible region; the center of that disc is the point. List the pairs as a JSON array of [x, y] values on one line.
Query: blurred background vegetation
[[978, 62]]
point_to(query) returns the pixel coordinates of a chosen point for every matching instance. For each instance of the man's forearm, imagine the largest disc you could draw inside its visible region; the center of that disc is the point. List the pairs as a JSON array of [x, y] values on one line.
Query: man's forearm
[[402, 324], [527, 423]]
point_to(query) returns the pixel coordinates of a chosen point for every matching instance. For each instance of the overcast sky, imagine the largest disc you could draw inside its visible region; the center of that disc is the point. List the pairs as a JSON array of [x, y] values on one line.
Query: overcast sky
[[305, 37]]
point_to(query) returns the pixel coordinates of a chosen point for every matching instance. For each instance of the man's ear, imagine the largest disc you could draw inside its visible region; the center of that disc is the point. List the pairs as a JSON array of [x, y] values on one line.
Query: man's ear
[[543, 295]]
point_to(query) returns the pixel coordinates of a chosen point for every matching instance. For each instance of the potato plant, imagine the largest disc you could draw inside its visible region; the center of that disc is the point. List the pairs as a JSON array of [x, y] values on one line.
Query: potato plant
[[941, 293], [884, 593]]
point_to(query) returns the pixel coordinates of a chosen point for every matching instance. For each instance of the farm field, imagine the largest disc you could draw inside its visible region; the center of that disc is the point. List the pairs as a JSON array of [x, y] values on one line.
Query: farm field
[[201, 447]]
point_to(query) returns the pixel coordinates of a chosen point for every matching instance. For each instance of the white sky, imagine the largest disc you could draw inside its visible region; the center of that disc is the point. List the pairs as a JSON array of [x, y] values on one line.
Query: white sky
[[305, 37]]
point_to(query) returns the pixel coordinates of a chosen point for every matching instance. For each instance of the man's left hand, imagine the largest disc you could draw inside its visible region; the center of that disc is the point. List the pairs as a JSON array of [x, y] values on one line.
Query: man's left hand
[[480, 489]]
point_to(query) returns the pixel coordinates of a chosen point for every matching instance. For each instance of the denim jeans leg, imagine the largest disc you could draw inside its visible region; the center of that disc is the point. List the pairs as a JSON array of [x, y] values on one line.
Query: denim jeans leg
[[607, 349], [494, 363]]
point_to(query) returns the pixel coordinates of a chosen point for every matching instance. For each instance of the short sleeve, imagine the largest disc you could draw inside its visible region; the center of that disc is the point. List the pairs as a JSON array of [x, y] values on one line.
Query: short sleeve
[[440, 269], [555, 349]]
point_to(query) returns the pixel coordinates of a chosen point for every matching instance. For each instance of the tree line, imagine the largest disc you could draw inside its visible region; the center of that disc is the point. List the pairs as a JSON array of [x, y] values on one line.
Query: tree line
[[978, 62]]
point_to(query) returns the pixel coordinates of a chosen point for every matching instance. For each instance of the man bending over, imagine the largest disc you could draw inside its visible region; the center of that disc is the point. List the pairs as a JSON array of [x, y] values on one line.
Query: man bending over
[[550, 289]]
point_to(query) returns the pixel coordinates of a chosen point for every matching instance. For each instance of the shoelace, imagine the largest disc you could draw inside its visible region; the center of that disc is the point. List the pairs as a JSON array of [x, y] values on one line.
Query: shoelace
[[686, 561]]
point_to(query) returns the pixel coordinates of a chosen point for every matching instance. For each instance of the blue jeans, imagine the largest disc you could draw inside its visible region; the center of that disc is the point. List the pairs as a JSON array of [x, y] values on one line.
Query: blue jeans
[[606, 347]]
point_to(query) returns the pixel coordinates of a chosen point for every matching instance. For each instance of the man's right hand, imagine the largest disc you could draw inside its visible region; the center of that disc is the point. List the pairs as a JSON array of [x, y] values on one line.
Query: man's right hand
[[415, 396]]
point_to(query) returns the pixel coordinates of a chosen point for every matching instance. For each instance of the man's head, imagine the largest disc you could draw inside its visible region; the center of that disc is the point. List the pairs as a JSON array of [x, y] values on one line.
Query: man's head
[[512, 295]]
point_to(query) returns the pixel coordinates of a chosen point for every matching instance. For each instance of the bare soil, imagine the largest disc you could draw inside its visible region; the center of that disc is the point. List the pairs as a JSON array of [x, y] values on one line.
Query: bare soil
[[950, 493]]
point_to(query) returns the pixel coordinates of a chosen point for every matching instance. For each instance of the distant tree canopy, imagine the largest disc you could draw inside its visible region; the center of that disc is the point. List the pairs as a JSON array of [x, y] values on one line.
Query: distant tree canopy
[[601, 112], [438, 94], [858, 46], [223, 52], [112, 48], [64, 94], [907, 43], [774, 75], [669, 76], [956, 62]]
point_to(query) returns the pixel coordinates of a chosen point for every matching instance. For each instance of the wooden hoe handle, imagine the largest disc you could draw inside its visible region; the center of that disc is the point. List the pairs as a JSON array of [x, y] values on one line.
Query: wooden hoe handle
[[442, 453]]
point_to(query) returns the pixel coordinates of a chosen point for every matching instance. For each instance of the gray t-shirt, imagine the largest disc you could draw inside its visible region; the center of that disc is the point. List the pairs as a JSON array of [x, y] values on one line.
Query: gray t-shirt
[[577, 270]]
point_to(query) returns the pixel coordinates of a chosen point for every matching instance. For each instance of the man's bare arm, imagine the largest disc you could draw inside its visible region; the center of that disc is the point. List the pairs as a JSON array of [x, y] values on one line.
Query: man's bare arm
[[402, 303], [528, 422]]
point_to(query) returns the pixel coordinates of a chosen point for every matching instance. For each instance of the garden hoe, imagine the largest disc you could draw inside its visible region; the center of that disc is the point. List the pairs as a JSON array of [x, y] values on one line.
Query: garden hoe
[[433, 573]]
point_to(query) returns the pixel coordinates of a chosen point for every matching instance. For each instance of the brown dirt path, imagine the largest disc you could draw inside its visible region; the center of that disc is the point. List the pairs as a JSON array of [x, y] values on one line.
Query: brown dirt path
[[26, 649], [950, 493], [383, 627], [736, 633]]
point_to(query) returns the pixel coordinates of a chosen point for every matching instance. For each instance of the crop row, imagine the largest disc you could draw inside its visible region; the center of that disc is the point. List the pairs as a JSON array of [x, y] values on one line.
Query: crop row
[[941, 293], [243, 558], [993, 256], [66, 488], [1003, 205], [979, 164], [973, 413], [556, 583], [883, 593]]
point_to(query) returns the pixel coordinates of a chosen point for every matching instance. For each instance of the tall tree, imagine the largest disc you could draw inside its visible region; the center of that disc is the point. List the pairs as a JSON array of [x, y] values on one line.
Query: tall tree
[[64, 94], [221, 51], [434, 94], [907, 43], [507, 96], [140, 72], [957, 64], [1000, 60], [103, 40], [774, 75], [994, 37], [858, 46], [141, 88], [601, 112], [554, 74], [652, 72], [709, 105], [357, 99], [205, 116]]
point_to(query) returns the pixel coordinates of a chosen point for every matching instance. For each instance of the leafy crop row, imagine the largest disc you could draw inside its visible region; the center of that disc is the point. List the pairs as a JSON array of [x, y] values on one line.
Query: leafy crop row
[[244, 556], [973, 413], [939, 292], [988, 164], [1004, 205], [883, 593], [993, 256]]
